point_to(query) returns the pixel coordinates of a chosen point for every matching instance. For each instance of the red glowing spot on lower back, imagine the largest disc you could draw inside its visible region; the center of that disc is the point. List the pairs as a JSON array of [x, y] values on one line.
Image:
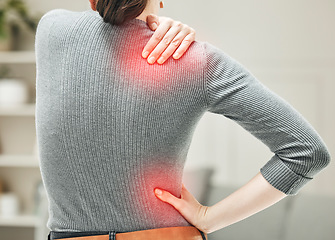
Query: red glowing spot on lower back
[[164, 174]]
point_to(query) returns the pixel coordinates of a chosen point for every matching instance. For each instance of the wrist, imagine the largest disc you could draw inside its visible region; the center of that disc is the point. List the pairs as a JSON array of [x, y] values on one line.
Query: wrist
[[204, 224]]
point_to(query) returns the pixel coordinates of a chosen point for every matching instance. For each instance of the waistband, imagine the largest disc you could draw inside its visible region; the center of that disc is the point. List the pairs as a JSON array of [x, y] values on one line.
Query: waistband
[[175, 233]]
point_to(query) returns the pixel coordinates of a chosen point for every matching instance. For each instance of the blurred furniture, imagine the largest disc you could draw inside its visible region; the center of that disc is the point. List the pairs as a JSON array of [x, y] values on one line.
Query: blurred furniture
[[19, 166]]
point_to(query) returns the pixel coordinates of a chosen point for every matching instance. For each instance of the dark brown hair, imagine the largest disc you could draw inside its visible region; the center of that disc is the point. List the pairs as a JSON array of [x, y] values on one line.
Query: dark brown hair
[[117, 12]]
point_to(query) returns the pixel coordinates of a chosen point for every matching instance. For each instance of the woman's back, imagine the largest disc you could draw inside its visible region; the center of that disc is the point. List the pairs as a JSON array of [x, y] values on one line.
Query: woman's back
[[112, 128]]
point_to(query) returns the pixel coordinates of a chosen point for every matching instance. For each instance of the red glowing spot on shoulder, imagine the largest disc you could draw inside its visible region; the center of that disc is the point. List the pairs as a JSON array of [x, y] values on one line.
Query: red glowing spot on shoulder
[[155, 78], [138, 72]]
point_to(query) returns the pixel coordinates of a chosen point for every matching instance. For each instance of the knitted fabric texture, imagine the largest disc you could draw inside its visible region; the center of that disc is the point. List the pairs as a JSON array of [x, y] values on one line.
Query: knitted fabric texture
[[111, 127]]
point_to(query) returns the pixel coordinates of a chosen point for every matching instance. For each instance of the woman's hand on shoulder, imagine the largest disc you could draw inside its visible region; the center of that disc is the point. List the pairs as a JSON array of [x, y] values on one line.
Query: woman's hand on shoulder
[[170, 38]]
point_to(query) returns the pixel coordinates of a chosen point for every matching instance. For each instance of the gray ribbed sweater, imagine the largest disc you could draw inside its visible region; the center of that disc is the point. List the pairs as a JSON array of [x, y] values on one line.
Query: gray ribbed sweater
[[111, 128]]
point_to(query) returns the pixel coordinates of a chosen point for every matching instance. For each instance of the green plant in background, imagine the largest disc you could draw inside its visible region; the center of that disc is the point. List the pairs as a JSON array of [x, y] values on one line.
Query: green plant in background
[[4, 72], [17, 8]]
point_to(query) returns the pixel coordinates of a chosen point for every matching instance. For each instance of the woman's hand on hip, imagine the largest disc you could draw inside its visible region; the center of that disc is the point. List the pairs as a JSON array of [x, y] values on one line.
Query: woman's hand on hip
[[188, 206], [170, 38], [251, 198]]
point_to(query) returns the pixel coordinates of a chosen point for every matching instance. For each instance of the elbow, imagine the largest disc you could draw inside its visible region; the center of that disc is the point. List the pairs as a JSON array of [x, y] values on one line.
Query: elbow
[[327, 157], [321, 156]]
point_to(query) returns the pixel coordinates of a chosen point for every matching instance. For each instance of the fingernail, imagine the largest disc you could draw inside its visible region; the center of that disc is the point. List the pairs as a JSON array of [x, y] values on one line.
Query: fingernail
[[151, 60], [145, 54], [154, 25], [176, 55], [158, 192], [160, 60]]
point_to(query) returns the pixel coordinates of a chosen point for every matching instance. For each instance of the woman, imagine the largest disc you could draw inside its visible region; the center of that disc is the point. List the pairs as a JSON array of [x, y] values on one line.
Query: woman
[[113, 131]]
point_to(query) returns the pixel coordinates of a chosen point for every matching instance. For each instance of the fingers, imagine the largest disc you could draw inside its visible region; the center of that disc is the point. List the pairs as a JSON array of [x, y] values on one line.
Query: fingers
[[181, 41], [154, 40], [168, 45], [168, 198], [170, 38], [186, 42], [187, 205], [153, 21]]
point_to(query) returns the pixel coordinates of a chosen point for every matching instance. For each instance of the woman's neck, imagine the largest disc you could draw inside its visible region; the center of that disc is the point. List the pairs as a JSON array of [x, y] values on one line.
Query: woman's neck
[[151, 8]]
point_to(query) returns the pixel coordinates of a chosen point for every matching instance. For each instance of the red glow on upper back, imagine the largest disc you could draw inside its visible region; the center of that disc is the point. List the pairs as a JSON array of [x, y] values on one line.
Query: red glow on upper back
[[139, 73], [153, 79]]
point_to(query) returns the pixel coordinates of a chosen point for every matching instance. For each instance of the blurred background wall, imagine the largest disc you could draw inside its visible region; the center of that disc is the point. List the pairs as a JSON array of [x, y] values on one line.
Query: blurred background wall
[[287, 45]]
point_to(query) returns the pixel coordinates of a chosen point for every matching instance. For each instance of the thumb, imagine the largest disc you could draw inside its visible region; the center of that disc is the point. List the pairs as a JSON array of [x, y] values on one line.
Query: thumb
[[152, 21], [168, 198]]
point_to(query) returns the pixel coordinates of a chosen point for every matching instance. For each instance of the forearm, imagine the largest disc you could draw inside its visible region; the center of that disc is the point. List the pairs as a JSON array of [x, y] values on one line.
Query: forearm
[[253, 197]]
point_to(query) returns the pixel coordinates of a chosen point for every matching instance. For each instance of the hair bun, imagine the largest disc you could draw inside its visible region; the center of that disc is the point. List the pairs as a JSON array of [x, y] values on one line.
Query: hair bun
[[116, 12]]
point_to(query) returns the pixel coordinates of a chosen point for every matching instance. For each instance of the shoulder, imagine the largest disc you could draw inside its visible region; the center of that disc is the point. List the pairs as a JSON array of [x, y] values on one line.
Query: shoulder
[[215, 54], [58, 16], [212, 53], [208, 48], [210, 56], [214, 58], [54, 14], [52, 25], [217, 60], [56, 23], [204, 50]]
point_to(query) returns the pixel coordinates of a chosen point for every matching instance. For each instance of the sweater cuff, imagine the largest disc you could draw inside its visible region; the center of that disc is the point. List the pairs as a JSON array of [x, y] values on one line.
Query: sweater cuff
[[283, 178]]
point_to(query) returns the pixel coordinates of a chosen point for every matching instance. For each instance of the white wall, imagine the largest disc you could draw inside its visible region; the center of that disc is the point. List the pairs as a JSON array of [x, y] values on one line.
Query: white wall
[[288, 45]]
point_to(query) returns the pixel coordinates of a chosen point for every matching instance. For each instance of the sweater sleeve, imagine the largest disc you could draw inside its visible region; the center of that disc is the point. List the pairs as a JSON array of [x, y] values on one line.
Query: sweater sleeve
[[299, 152]]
